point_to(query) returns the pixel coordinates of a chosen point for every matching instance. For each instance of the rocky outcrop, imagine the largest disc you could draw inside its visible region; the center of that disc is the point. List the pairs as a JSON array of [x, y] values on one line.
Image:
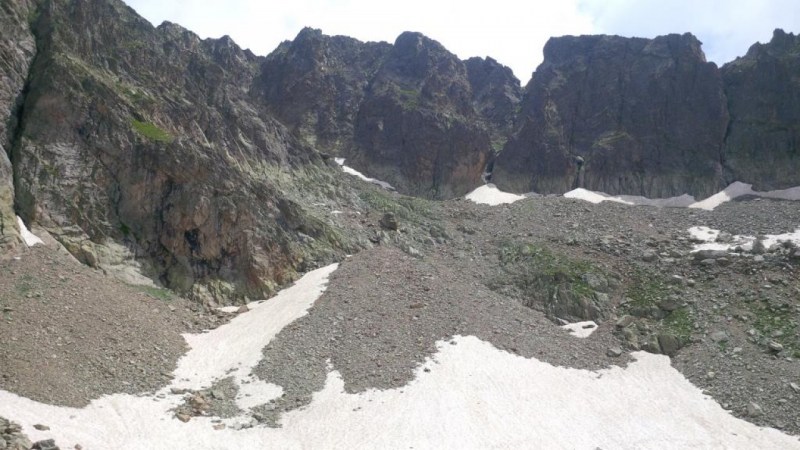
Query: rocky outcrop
[[763, 89], [149, 137], [417, 128], [407, 113], [619, 115], [17, 48], [316, 83], [496, 94]]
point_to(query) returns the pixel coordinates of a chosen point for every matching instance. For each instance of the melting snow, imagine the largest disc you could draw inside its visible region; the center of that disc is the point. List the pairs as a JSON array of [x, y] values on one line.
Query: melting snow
[[581, 329], [731, 192], [29, 238], [597, 197], [235, 348], [354, 172], [472, 396], [708, 239], [488, 194], [739, 189]]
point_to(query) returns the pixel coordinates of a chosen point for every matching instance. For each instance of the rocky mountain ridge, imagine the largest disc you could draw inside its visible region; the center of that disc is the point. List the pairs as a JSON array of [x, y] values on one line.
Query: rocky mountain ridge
[[210, 168]]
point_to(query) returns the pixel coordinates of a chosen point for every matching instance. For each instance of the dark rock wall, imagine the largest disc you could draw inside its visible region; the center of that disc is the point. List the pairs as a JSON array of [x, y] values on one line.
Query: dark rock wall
[[763, 87], [405, 113], [316, 83], [646, 117], [496, 95], [17, 49], [417, 127]]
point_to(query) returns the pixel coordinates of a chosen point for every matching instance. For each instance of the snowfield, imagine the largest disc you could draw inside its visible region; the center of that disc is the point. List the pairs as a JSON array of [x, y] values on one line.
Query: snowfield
[[473, 396], [489, 194], [350, 171], [467, 395]]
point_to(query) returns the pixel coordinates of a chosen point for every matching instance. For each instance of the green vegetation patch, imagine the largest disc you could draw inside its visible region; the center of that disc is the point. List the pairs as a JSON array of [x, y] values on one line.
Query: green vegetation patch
[[156, 292], [412, 209], [777, 323], [646, 290], [536, 270], [679, 323], [410, 98], [151, 131]]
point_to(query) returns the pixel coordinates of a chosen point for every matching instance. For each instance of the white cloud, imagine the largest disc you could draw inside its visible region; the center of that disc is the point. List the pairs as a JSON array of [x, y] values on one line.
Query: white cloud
[[726, 28], [510, 31]]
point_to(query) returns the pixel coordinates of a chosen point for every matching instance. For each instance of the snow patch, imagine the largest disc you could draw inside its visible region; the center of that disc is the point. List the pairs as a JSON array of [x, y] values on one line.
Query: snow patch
[[731, 192], [473, 396], [598, 197], [581, 329], [29, 238], [235, 348], [707, 238], [739, 189], [489, 194], [355, 173]]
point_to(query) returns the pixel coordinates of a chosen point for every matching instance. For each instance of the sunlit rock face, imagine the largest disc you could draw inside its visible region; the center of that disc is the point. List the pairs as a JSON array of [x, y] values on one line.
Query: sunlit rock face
[[149, 137]]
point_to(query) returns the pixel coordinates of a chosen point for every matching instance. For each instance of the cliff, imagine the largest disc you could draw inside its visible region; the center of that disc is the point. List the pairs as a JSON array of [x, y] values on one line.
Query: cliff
[[619, 115], [763, 88]]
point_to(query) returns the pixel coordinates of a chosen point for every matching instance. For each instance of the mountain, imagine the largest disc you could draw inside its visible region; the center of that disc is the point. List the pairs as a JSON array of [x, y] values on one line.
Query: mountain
[[651, 117], [210, 169], [762, 145], [643, 116], [410, 113], [141, 142]]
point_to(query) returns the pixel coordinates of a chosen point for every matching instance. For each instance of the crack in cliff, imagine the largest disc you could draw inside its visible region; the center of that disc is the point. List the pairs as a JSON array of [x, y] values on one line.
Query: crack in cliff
[[16, 122]]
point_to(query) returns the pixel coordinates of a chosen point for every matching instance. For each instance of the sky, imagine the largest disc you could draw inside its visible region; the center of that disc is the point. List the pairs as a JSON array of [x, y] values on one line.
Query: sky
[[511, 31]]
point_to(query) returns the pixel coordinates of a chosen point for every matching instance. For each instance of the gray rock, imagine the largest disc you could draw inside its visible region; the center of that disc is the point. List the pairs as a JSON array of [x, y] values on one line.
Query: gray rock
[[48, 444], [775, 346], [614, 352], [754, 410], [389, 221], [596, 282], [625, 321], [670, 303], [702, 255], [669, 344], [649, 256], [719, 336]]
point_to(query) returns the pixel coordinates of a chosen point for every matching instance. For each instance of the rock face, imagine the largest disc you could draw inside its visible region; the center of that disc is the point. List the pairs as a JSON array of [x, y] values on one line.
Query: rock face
[[206, 163], [316, 83], [619, 115], [763, 88], [417, 128], [496, 94], [17, 48], [410, 113], [148, 137]]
